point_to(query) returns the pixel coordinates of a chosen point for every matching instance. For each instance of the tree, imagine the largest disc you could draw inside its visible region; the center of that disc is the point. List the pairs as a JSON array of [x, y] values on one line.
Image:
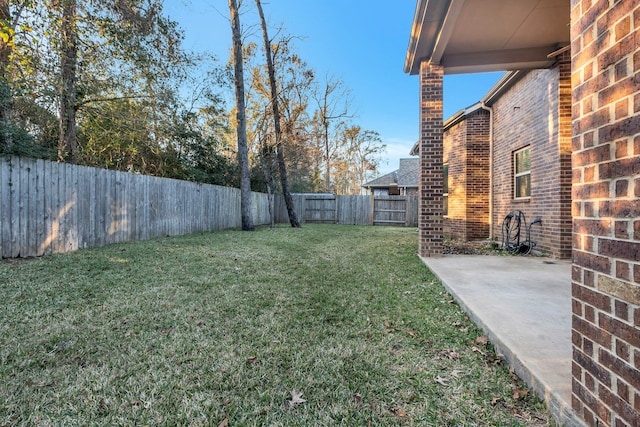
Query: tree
[[13, 65], [67, 143], [108, 84], [282, 167], [294, 83], [332, 100], [358, 160], [106, 53], [243, 152], [25, 122], [296, 88], [199, 137], [6, 100], [132, 53]]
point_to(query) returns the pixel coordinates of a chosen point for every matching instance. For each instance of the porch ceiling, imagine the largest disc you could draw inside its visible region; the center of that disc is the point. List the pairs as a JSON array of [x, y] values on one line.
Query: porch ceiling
[[468, 36]]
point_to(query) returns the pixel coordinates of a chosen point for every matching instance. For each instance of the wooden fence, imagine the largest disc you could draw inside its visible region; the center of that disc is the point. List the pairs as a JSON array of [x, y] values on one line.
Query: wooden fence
[[395, 210], [48, 207], [352, 210]]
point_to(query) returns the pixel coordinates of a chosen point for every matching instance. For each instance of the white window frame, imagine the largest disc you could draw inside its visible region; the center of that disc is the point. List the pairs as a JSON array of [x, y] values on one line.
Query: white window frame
[[518, 174]]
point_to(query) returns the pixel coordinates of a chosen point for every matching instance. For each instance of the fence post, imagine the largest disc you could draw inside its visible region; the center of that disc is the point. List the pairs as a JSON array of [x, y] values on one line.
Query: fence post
[[373, 208], [406, 210]]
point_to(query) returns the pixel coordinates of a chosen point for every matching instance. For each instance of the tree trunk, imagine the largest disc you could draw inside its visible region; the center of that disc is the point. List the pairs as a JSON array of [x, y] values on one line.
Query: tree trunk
[[243, 152], [327, 159], [6, 99], [282, 167], [268, 179], [67, 142]]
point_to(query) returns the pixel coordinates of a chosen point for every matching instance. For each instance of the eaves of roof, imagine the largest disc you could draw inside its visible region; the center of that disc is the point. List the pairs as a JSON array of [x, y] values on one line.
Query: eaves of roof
[[383, 181], [470, 36]]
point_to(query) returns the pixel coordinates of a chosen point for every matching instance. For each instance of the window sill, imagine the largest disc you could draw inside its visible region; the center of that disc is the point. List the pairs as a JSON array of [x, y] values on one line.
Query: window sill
[[522, 200]]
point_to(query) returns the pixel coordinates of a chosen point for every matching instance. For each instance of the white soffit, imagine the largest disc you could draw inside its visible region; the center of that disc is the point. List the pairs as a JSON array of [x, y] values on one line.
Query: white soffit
[[491, 35]]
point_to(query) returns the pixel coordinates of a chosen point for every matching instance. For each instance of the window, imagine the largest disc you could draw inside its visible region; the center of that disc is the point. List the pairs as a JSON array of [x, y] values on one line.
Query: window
[[522, 173], [445, 189]]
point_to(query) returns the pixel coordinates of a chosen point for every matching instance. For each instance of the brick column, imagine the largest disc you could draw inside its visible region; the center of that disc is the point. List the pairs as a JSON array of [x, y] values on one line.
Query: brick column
[[606, 208], [430, 186], [565, 235]]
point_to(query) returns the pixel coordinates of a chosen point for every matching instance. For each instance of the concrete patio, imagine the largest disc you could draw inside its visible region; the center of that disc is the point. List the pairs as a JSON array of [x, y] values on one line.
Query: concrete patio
[[524, 306]]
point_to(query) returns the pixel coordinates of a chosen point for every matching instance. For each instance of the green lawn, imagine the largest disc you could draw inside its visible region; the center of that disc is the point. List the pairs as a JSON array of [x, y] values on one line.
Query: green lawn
[[225, 328]]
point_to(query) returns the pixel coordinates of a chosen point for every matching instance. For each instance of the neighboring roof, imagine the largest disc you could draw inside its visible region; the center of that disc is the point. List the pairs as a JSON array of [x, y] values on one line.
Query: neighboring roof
[[409, 172], [466, 36], [383, 181], [406, 176]]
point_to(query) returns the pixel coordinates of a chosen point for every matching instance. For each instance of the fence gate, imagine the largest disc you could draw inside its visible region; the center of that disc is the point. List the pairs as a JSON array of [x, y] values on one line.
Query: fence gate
[[321, 209], [354, 210], [390, 210]]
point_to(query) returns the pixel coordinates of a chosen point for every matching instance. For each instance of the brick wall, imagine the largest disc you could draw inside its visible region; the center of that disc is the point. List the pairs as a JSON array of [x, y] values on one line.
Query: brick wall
[[466, 150], [536, 112], [605, 40], [565, 223], [455, 154], [430, 185], [478, 175]]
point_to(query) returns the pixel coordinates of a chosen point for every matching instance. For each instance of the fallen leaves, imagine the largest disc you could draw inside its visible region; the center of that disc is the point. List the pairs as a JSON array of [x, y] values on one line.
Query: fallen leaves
[[398, 412], [296, 399], [482, 340], [519, 394], [460, 326], [456, 373], [410, 333], [451, 354], [442, 381], [495, 360], [477, 350], [390, 328]]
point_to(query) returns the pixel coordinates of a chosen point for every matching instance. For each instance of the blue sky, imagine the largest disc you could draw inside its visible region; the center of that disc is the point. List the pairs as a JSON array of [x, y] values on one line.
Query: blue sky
[[360, 42]]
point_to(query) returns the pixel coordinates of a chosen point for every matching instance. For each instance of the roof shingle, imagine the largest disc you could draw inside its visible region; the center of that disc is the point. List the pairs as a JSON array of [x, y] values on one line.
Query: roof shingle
[[408, 174]]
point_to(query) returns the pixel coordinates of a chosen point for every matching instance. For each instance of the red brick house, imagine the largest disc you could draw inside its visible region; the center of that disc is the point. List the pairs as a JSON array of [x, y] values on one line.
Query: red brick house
[[467, 196], [511, 151], [603, 128]]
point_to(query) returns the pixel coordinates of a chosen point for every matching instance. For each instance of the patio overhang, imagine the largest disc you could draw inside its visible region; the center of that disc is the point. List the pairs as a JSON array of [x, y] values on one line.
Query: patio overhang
[[470, 36]]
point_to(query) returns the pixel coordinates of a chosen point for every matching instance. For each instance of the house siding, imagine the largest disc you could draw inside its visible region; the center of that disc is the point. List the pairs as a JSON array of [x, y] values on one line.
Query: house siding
[[605, 40], [466, 151], [536, 112]]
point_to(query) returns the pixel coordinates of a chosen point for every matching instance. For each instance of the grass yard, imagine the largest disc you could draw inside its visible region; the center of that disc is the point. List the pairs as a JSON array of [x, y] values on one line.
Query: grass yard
[[319, 326]]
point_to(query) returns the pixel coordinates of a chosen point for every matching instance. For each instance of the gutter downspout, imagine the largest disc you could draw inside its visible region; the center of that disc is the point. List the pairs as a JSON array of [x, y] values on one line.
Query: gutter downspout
[[490, 110]]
